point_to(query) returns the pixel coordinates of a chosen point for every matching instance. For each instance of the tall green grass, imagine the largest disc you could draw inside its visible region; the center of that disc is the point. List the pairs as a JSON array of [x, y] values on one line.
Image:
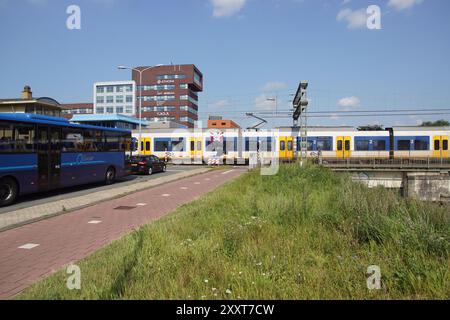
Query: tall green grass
[[302, 234]]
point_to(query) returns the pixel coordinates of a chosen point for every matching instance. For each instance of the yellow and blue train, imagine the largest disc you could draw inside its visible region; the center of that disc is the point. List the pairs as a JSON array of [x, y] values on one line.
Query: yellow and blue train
[[234, 145]]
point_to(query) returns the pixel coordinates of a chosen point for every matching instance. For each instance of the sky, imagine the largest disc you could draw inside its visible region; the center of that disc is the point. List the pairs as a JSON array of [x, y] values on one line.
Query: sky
[[248, 51]]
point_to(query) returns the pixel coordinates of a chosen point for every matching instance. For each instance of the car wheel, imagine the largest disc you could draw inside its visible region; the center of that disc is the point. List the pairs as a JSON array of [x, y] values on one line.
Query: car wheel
[[150, 171], [164, 168], [8, 191], [110, 176]]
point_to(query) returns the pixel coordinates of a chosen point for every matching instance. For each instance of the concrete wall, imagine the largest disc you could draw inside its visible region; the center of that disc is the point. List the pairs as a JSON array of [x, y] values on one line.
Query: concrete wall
[[425, 186]]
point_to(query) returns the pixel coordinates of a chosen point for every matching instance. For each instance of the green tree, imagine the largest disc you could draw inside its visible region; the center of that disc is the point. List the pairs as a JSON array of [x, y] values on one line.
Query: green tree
[[438, 123]]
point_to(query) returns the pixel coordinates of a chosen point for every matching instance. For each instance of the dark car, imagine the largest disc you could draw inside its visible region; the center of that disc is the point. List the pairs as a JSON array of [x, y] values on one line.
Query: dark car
[[147, 165]]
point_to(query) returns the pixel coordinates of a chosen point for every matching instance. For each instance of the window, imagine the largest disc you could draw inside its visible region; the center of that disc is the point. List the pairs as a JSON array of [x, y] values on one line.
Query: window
[[324, 144], [437, 145], [161, 145], [282, 145], [192, 145], [171, 76], [403, 145], [290, 147], [183, 86], [93, 141], [129, 99], [72, 140], [119, 99], [128, 109], [109, 110], [119, 88], [119, 109], [379, 145], [184, 97], [100, 110], [113, 141], [339, 145], [177, 144], [109, 89], [109, 99], [100, 89], [420, 145], [24, 138], [445, 145], [362, 145], [128, 88], [100, 99], [197, 78], [347, 145]]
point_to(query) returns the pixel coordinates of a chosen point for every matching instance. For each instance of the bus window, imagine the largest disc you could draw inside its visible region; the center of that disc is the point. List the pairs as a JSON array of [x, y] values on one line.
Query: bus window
[[6, 138], [112, 141], [72, 140], [24, 138]]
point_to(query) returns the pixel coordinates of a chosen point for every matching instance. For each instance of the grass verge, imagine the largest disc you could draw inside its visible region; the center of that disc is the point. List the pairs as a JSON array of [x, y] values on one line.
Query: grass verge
[[302, 234]]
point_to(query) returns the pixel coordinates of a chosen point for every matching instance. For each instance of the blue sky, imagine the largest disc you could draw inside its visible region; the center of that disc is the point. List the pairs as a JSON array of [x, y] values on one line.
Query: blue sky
[[248, 51]]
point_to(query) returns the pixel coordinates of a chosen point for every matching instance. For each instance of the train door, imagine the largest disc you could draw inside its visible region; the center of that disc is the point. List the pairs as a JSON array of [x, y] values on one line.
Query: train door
[[286, 145], [195, 147], [441, 147], [343, 147], [147, 146]]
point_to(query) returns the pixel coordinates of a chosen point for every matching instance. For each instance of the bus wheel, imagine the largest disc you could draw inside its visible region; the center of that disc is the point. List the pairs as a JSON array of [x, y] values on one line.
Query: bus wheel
[[8, 191], [110, 176]]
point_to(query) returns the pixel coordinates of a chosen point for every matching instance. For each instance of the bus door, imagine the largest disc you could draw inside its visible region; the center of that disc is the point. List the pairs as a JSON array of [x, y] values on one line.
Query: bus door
[[343, 149], [49, 157], [441, 147]]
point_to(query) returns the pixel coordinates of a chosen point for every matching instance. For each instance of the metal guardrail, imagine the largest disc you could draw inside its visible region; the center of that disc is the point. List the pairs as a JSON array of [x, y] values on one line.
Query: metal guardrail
[[377, 163]]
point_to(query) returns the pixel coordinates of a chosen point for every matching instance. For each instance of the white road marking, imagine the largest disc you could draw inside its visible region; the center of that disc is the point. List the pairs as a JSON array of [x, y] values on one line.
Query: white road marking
[[184, 188], [141, 204], [227, 172], [94, 222], [207, 179], [29, 246], [196, 182], [165, 195]]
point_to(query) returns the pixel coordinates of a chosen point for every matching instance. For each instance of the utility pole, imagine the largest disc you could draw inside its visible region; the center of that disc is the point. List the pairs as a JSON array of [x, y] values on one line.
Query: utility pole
[[300, 104]]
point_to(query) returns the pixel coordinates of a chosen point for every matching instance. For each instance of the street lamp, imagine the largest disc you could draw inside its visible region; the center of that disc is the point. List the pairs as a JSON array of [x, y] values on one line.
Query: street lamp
[[140, 71]]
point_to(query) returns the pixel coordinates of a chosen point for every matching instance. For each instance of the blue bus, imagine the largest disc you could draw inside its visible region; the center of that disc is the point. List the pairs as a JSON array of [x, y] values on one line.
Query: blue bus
[[40, 153]]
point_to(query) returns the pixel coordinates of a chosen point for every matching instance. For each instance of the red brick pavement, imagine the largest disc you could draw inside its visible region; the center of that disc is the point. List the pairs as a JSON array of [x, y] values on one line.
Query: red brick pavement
[[69, 237]]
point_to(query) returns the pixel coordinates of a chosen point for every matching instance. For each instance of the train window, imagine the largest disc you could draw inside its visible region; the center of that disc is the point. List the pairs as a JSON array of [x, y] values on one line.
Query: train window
[[420, 145], [339, 145], [379, 145], [161, 146], [404, 145], [362, 145], [147, 145], [192, 145], [324, 144], [437, 145], [310, 145], [347, 145], [142, 145], [177, 144], [445, 145], [290, 145], [282, 145], [199, 146]]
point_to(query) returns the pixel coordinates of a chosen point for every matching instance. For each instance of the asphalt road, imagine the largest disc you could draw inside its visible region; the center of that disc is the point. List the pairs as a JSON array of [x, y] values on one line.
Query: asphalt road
[[50, 196]]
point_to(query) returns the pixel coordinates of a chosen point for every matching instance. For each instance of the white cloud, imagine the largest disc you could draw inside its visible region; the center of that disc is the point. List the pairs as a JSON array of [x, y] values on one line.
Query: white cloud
[[274, 86], [354, 18], [262, 103], [221, 104], [349, 102], [403, 4], [226, 8]]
